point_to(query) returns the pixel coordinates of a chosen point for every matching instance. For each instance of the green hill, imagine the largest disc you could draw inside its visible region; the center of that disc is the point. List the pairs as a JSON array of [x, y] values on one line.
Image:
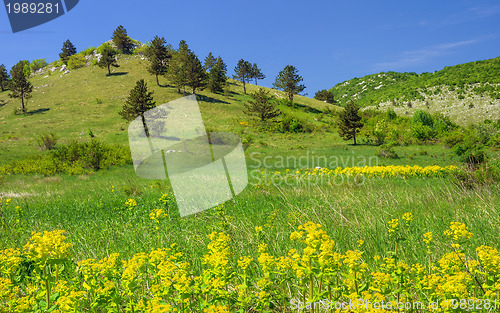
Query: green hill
[[84, 99], [467, 92]]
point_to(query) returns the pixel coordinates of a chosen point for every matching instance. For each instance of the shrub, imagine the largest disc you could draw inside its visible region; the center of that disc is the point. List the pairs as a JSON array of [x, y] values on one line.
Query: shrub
[[423, 118], [76, 61], [294, 125], [87, 51], [387, 151], [38, 64], [422, 132], [471, 154], [390, 114], [454, 138], [47, 141]]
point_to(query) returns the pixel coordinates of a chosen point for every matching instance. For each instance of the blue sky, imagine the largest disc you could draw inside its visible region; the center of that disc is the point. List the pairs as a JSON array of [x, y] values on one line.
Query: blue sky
[[328, 41]]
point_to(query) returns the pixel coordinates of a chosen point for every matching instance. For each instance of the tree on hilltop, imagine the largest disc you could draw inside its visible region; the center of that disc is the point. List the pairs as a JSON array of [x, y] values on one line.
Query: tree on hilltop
[[209, 62], [257, 73], [289, 80], [122, 41], [68, 49], [243, 73], [20, 86], [4, 77], [350, 122], [195, 75], [217, 76], [159, 55]]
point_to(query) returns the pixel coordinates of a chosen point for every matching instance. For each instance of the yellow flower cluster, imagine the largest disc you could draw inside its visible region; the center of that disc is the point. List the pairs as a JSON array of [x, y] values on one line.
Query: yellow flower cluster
[[164, 281], [382, 171]]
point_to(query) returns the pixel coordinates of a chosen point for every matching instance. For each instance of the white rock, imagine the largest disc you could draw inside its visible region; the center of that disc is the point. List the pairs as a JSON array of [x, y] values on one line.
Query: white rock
[[53, 69]]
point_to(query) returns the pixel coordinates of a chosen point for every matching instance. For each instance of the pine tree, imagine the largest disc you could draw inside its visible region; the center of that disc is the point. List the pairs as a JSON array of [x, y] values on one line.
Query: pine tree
[[20, 86], [138, 102], [217, 76], [68, 50], [262, 106], [195, 75], [159, 55], [4, 77], [350, 122], [324, 95], [177, 67], [289, 80], [257, 73], [243, 72], [209, 62], [122, 41], [108, 58]]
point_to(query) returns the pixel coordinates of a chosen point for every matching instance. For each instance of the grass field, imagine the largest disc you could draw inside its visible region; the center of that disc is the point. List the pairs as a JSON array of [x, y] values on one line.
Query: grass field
[[109, 211]]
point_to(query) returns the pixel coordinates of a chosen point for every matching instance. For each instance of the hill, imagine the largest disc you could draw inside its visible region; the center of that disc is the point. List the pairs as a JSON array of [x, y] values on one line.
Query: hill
[[466, 93], [72, 103]]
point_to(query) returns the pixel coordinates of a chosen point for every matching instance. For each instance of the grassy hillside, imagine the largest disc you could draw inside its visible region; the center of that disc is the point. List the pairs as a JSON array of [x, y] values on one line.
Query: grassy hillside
[[86, 99], [467, 92]]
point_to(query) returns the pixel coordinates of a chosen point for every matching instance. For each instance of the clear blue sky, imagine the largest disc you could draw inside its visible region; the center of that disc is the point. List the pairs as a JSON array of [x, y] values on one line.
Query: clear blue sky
[[328, 41]]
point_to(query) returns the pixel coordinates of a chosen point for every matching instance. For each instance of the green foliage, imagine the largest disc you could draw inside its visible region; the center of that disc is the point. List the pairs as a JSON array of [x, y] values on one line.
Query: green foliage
[[177, 67], [293, 124], [243, 73], [158, 54], [122, 41], [68, 49], [209, 62], [390, 114], [216, 78], [108, 57], [138, 102], [421, 117], [88, 51], [350, 122], [394, 86], [422, 132], [76, 61], [74, 158], [289, 81], [46, 141], [4, 77], [387, 151], [324, 95], [256, 73], [20, 87], [262, 106], [35, 65], [195, 75]]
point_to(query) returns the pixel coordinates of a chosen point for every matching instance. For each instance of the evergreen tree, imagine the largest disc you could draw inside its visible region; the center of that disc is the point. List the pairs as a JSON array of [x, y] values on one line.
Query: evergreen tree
[[159, 55], [257, 73], [209, 62], [138, 102], [108, 58], [262, 106], [195, 75], [122, 41], [324, 95], [350, 122], [177, 67], [289, 80], [4, 77], [217, 76], [68, 50], [243, 72], [20, 86]]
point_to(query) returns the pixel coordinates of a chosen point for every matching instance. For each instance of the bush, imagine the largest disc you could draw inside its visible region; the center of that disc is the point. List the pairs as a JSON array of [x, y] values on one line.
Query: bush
[[422, 132], [87, 51], [76, 61], [472, 155], [38, 64], [47, 141], [294, 125], [390, 114], [423, 118], [387, 151]]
